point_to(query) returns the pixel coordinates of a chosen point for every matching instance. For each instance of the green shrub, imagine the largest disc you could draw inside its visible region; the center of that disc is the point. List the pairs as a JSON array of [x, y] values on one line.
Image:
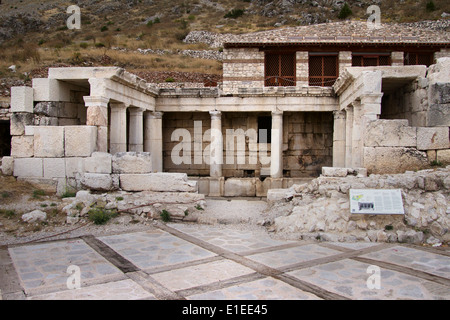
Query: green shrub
[[84, 45], [234, 14], [170, 79], [38, 193], [345, 12], [104, 28], [68, 194], [100, 215], [165, 216], [430, 6]]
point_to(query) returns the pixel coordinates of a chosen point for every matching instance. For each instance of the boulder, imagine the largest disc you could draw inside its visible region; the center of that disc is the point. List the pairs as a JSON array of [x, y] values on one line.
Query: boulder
[[33, 216]]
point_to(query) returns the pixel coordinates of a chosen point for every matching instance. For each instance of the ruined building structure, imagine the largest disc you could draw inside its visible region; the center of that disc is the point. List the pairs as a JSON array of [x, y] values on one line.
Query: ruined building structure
[[331, 96]]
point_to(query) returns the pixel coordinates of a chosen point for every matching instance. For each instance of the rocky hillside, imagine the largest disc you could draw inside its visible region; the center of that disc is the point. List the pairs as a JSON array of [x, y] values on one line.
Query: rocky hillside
[[148, 35]]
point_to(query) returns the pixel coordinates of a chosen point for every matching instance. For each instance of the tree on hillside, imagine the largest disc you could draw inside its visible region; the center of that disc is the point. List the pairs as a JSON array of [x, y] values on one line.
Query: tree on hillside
[[345, 12]]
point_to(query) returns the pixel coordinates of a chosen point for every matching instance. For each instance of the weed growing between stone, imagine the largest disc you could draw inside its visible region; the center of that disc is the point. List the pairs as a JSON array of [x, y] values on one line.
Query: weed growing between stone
[[101, 216]]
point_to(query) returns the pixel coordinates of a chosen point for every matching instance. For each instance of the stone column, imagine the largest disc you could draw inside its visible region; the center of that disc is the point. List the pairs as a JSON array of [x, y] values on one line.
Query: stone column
[[216, 147], [118, 129], [356, 135], [345, 61], [339, 131], [136, 130], [153, 139], [302, 68], [397, 58], [348, 136], [97, 115], [276, 147]]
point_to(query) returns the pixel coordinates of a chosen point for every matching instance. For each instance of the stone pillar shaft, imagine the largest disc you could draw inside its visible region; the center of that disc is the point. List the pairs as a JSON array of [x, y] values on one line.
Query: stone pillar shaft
[[276, 155], [136, 130], [97, 115], [216, 147], [339, 131], [153, 139], [118, 133]]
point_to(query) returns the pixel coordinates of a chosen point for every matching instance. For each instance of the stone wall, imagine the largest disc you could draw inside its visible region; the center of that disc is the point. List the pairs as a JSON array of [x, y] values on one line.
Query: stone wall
[[391, 146], [242, 68], [308, 143], [321, 209]]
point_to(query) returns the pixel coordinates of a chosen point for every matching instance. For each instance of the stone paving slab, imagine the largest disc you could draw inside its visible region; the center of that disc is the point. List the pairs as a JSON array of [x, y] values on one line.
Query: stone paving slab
[[231, 239], [193, 276], [263, 289], [349, 278], [186, 261], [291, 256], [117, 290], [147, 250], [43, 267], [416, 259]]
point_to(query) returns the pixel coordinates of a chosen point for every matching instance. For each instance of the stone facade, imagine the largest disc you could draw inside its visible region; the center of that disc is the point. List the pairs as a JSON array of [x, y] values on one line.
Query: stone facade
[[91, 127]]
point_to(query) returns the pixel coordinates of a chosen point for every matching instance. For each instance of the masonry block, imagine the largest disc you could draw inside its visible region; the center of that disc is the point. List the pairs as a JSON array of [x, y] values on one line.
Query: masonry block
[[49, 142], [54, 168], [442, 156], [432, 138], [18, 121], [240, 187], [80, 141], [394, 159], [132, 162], [46, 89], [97, 181], [22, 146], [74, 166], [28, 167], [22, 99], [99, 162], [158, 182], [7, 166], [390, 133]]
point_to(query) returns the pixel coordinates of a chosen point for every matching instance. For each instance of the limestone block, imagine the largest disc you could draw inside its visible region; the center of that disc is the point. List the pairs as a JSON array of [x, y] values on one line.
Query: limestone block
[[33, 216], [7, 166], [22, 146], [442, 156], [334, 172], [97, 181], [48, 108], [159, 182], [80, 141], [240, 187], [132, 162], [393, 159], [432, 138], [46, 89], [28, 167], [438, 115], [18, 122], [216, 187], [73, 166], [49, 142], [22, 99], [390, 133], [54, 168], [99, 162], [274, 195]]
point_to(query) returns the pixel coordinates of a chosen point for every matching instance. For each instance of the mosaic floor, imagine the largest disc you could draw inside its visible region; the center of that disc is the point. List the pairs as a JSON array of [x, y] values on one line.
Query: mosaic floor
[[186, 261]]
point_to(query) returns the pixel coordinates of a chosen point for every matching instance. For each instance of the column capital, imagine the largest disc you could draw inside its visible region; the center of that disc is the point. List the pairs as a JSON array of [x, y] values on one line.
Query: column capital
[[117, 105], [154, 114], [276, 113], [339, 114], [215, 115], [136, 110], [95, 101]]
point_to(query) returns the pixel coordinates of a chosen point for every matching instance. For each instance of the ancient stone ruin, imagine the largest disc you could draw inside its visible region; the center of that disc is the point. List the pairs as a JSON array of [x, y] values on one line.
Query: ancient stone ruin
[[289, 106]]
